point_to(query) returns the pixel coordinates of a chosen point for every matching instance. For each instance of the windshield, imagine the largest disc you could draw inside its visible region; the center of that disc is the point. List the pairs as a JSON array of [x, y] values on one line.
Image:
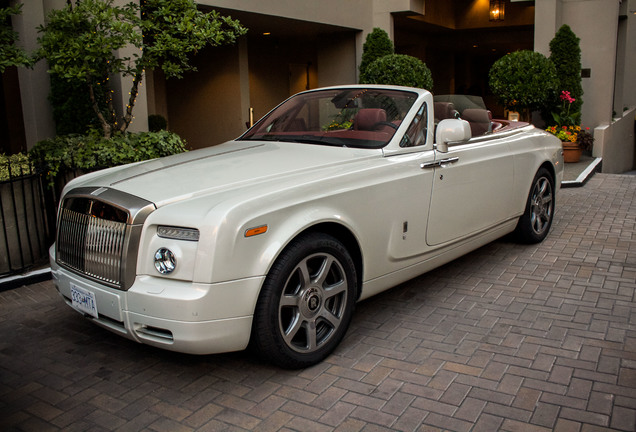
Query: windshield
[[357, 117]]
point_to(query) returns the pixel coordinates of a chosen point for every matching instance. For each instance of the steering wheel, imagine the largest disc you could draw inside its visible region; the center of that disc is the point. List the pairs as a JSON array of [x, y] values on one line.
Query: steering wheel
[[384, 123]]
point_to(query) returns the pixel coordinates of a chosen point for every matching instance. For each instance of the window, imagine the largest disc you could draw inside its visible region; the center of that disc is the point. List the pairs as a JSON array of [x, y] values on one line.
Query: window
[[417, 131], [347, 117]]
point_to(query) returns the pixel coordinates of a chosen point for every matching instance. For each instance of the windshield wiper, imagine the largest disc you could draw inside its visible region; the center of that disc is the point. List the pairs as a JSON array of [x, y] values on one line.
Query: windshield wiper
[[312, 139]]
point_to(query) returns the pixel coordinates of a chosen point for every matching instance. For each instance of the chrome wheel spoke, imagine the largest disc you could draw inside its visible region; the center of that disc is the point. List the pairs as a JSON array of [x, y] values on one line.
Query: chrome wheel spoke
[[303, 270], [329, 316], [292, 330], [323, 272], [336, 289], [312, 336], [289, 300]]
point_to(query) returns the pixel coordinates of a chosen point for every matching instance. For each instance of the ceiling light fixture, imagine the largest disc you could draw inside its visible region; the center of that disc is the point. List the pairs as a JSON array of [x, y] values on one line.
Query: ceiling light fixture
[[497, 10]]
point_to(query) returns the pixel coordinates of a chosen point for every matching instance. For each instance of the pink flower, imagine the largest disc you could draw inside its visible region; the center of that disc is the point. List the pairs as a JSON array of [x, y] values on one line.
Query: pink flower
[[565, 95]]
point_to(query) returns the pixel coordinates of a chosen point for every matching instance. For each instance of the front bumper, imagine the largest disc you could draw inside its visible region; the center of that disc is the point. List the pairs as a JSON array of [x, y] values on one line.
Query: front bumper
[[180, 316]]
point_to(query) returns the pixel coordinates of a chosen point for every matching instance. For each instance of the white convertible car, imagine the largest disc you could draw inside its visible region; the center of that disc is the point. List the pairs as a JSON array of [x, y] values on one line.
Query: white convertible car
[[337, 194]]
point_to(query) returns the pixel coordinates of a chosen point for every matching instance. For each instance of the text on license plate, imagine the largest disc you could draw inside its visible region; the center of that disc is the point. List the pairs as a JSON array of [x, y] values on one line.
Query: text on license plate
[[84, 300]]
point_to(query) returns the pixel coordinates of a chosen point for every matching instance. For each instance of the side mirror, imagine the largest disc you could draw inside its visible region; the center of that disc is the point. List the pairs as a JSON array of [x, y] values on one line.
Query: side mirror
[[451, 131]]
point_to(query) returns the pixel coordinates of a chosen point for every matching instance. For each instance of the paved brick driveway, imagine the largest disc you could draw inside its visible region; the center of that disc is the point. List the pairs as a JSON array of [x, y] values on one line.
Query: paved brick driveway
[[510, 338]]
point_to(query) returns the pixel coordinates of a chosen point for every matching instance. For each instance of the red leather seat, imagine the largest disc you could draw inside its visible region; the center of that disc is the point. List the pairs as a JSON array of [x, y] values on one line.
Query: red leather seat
[[366, 118]]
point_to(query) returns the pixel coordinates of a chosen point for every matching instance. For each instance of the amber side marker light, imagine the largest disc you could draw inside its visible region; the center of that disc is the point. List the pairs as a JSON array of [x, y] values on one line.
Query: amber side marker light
[[256, 231]]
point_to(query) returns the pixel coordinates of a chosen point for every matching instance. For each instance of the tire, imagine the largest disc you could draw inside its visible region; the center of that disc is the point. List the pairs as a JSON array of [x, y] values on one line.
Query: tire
[[535, 223], [306, 303]]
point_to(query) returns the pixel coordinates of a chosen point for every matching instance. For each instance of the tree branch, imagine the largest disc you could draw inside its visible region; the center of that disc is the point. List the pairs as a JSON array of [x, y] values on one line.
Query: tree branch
[[134, 91], [106, 127]]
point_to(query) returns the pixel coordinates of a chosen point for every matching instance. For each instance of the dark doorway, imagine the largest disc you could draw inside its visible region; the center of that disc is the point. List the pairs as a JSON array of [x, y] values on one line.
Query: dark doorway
[[12, 136], [459, 44]]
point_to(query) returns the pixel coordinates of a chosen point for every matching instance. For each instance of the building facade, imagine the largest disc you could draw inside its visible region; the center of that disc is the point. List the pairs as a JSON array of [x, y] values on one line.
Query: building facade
[[293, 45]]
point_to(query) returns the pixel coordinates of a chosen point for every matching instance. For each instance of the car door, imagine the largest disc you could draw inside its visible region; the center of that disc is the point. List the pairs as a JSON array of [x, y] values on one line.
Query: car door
[[412, 192], [472, 189]]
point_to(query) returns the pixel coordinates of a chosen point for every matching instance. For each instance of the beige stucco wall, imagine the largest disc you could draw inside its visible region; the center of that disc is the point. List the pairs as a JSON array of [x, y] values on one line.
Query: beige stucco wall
[[615, 143], [205, 107], [349, 14], [625, 95], [607, 30], [595, 22], [34, 83]]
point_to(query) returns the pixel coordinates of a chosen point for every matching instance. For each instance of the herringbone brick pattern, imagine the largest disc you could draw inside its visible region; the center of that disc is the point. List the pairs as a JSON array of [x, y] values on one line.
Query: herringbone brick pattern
[[510, 338]]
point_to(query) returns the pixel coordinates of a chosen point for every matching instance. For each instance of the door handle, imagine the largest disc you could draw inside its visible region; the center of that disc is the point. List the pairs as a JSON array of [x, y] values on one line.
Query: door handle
[[440, 163]]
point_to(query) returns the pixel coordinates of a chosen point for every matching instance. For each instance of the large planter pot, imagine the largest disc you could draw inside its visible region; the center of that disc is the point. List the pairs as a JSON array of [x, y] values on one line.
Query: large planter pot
[[571, 152]]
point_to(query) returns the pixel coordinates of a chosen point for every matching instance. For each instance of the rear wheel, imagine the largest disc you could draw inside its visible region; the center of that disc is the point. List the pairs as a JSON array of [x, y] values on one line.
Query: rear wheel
[[535, 223], [306, 303]]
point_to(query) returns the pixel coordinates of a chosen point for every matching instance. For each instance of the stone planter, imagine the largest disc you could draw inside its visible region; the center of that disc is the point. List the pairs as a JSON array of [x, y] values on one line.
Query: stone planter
[[571, 152]]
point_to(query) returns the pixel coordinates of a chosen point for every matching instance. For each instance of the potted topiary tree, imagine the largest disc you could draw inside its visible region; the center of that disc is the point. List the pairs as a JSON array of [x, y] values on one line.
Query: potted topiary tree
[[563, 113], [399, 69], [377, 45], [565, 53], [523, 81]]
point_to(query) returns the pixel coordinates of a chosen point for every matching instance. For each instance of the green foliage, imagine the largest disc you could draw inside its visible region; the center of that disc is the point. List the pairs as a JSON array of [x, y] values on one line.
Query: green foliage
[[15, 165], [10, 54], [523, 80], [585, 139], [175, 29], [72, 108], [377, 45], [565, 53], [157, 122], [93, 40], [399, 69], [565, 116], [92, 151]]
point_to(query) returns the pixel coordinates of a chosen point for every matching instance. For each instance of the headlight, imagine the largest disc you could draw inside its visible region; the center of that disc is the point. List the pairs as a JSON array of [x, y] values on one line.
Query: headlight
[[178, 233], [165, 261]]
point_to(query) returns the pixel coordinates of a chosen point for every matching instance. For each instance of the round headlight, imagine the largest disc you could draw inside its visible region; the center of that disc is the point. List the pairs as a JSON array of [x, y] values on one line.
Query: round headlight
[[165, 261]]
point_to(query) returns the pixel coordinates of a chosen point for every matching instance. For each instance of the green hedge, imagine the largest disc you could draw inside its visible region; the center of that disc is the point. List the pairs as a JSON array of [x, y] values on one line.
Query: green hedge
[[18, 163], [92, 152]]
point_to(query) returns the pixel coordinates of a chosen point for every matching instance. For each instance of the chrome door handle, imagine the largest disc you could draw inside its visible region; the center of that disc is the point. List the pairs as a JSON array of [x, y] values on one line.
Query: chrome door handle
[[440, 163]]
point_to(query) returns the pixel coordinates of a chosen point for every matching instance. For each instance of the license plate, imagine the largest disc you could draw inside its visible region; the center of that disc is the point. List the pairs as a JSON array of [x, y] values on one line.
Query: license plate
[[84, 300]]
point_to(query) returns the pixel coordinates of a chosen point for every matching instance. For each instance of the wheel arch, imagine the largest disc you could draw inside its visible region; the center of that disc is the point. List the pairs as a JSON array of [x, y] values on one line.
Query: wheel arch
[[548, 166], [343, 235]]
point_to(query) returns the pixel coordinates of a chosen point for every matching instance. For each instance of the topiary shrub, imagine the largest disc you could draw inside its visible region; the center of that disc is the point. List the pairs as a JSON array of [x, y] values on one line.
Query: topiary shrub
[[157, 122], [565, 53], [92, 151], [524, 81], [399, 69], [377, 45]]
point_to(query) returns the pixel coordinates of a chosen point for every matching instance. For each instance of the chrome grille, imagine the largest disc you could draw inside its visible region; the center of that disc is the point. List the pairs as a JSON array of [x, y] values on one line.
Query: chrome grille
[[98, 234], [92, 246]]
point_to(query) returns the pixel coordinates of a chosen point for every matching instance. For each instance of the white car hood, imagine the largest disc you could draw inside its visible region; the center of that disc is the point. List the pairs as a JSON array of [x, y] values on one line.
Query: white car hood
[[230, 165]]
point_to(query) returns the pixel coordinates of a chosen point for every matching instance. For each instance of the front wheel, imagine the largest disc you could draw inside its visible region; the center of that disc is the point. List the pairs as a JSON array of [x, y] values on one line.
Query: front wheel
[[306, 302], [534, 224]]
